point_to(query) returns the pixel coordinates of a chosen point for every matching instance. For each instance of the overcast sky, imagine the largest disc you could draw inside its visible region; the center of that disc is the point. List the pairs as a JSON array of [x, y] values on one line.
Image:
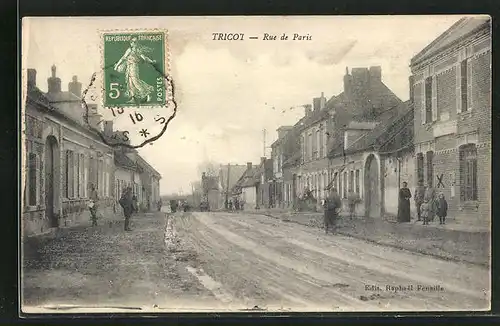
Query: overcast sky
[[226, 90]]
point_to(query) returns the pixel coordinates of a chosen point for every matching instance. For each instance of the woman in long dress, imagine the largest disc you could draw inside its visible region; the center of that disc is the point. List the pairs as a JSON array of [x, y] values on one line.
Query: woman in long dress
[[404, 204], [136, 88]]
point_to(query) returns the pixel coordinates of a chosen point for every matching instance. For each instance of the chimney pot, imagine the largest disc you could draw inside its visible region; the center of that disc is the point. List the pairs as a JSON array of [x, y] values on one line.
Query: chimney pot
[[54, 83], [376, 72]]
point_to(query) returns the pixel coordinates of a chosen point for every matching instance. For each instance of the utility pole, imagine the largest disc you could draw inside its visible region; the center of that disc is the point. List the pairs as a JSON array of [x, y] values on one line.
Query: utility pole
[[264, 141], [227, 185]]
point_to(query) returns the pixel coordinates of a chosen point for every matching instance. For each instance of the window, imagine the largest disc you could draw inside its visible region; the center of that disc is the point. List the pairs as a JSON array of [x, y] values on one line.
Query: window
[[351, 181], [344, 189], [464, 85], [314, 141], [304, 150], [340, 185], [420, 167], [468, 172], [430, 169], [357, 181], [69, 174], [428, 99], [78, 179], [31, 177]]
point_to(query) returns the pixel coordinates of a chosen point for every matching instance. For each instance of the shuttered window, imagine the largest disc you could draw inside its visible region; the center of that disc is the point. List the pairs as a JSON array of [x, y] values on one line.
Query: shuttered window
[[468, 172], [69, 174], [428, 99], [430, 168], [420, 167], [351, 181], [463, 86], [357, 182], [32, 178]]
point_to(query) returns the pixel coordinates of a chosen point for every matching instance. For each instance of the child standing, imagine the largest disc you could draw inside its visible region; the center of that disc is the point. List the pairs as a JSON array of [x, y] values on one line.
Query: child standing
[[425, 211], [442, 208]]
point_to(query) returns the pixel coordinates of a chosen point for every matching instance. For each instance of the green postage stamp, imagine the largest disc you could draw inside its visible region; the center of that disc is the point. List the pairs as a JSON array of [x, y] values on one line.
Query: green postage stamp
[[135, 68]]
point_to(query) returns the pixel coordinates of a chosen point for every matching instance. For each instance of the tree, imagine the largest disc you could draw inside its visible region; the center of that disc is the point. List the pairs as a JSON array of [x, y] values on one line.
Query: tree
[[210, 168]]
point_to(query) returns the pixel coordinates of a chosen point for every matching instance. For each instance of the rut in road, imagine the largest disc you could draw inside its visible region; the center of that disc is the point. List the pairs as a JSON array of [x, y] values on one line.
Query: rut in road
[[295, 266]]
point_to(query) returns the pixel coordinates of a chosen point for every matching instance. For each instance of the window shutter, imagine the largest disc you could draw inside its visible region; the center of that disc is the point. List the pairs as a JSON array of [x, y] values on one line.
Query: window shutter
[[38, 162], [434, 98], [458, 74], [40, 182], [65, 174], [422, 102], [469, 85]]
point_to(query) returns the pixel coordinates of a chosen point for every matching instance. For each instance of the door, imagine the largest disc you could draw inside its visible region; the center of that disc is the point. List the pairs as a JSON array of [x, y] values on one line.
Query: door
[[372, 188], [50, 181]]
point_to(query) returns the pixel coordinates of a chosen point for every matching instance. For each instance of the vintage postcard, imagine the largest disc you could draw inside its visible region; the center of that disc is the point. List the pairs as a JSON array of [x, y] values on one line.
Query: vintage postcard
[[255, 164]]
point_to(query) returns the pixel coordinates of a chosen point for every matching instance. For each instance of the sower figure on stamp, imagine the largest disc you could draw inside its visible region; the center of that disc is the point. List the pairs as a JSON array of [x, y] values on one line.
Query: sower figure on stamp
[[127, 204], [419, 197], [94, 198], [136, 88], [332, 207]]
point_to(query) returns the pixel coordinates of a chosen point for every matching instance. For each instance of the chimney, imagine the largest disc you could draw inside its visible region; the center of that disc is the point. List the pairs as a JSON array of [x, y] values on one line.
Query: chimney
[[347, 83], [94, 116], [75, 87], [249, 166], [31, 77], [108, 128], [316, 104], [54, 83], [308, 109], [376, 73], [322, 103], [411, 79]]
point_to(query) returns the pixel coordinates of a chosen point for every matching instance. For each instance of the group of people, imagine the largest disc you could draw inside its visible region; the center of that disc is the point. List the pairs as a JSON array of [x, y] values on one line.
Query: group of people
[[428, 203], [128, 202], [234, 204]]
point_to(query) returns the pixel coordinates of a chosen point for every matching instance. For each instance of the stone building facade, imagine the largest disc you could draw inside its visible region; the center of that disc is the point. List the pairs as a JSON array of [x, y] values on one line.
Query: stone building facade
[[63, 158], [451, 90]]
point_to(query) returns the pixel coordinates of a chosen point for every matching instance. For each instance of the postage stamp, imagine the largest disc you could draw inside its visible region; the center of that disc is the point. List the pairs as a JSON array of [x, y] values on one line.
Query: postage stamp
[[134, 68]]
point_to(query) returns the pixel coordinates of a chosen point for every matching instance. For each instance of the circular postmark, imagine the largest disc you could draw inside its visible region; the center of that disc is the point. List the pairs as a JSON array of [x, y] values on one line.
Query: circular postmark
[[131, 102]]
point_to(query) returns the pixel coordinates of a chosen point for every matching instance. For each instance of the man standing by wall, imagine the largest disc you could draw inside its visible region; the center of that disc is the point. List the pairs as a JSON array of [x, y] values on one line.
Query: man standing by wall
[[94, 198], [126, 203]]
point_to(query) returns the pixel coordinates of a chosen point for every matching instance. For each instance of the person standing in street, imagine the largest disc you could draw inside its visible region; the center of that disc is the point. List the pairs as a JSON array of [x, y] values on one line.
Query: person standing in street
[[419, 197], [425, 211], [442, 208], [126, 203], [430, 196], [94, 199], [332, 207], [404, 204], [352, 199]]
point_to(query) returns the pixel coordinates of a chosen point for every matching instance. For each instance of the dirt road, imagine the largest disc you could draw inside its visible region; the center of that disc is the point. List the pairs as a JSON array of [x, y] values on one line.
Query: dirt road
[[253, 260]]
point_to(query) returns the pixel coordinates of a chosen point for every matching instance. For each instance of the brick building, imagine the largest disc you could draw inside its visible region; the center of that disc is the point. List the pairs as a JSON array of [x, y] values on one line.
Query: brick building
[[63, 157], [331, 127], [451, 90]]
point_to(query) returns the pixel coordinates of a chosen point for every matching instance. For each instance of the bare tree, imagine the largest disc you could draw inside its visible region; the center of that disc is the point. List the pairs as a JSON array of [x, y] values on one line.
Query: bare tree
[[210, 168]]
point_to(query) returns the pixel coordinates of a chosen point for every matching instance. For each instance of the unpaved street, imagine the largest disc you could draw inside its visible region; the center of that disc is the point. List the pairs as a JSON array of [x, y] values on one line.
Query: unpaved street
[[221, 261], [252, 260]]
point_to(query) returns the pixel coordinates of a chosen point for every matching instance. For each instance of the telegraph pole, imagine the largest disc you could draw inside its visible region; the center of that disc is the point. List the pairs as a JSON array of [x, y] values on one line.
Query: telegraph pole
[[264, 141]]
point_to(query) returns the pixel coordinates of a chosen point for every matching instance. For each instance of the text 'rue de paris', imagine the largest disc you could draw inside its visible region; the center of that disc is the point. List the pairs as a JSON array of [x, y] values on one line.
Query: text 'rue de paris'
[[263, 37]]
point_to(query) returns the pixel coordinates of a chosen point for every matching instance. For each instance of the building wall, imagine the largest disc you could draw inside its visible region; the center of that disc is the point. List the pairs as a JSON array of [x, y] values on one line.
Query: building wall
[[391, 185], [454, 124], [249, 196], [123, 179], [79, 161], [340, 171]]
